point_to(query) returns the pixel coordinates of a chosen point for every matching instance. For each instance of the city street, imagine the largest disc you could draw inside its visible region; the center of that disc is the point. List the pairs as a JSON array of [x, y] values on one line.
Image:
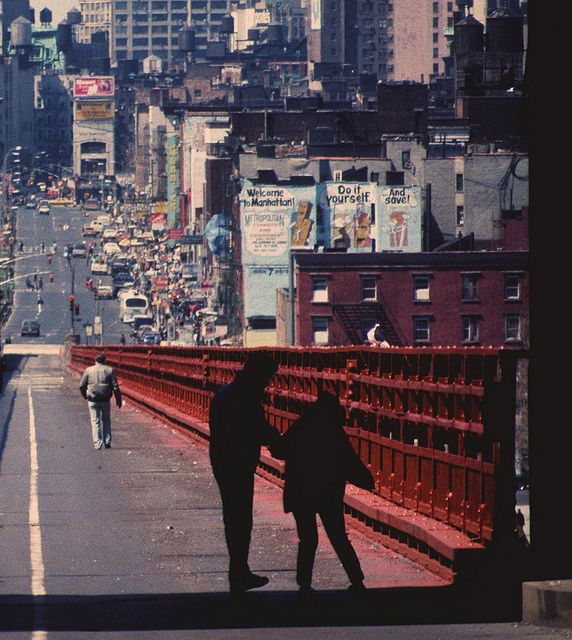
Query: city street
[[63, 225]]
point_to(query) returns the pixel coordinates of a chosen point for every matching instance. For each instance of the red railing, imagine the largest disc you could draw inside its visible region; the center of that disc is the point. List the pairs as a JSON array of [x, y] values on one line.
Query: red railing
[[435, 425]]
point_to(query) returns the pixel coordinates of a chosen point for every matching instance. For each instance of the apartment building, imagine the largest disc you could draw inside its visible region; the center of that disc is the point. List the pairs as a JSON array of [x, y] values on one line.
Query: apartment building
[[206, 18], [141, 28], [96, 16]]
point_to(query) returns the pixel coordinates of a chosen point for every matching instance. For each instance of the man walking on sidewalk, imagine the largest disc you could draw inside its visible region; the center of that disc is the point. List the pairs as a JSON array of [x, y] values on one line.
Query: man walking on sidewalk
[[98, 385]]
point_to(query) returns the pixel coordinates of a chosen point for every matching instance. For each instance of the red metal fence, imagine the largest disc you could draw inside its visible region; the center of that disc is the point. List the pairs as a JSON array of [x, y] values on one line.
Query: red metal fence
[[435, 425]]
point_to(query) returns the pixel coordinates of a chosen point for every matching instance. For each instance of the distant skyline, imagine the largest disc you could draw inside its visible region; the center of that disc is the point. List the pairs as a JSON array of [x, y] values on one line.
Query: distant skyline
[[59, 8]]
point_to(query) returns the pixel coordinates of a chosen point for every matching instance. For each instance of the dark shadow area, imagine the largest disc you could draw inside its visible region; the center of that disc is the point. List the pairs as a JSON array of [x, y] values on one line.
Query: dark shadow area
[[13, 363], [444, 605]]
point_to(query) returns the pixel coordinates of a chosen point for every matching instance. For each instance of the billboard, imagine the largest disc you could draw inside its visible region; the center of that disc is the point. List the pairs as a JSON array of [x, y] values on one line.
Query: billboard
[[94, 87], [349, 213], [100, 110], [273, 220], [315, 14], [173, 184], [400, 227]]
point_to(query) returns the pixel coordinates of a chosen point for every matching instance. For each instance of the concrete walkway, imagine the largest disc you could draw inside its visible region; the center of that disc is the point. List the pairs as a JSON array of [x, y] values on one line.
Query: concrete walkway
[[128, 542]]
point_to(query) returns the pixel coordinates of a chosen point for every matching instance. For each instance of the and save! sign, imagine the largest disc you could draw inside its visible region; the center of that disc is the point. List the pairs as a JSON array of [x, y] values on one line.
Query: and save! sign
[[92, 87]]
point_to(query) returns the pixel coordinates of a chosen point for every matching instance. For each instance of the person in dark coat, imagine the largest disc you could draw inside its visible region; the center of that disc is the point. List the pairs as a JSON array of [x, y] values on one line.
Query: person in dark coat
[[319, 461], [238, 428]]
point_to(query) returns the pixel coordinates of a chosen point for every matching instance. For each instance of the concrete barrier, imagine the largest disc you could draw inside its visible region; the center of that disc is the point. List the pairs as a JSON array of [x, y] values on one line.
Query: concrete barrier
[[548, 602]]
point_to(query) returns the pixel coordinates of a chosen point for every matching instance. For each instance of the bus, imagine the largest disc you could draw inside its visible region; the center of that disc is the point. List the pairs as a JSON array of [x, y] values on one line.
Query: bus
[[132, 304]]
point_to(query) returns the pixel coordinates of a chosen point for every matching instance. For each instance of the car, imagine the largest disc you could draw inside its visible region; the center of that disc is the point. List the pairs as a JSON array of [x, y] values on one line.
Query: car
[[88, 231], [30, 328], [110, 248], [79, 250], [151, 338], [110, 234], [120, 265], [104, 291], [122, 281], [99, 265], [103, 219], [44, 209], [30, 204]]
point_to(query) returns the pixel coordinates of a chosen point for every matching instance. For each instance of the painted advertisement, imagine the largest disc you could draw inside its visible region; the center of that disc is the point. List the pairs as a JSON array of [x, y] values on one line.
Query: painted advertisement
[[273, 220], [173, 179], [349, 210], [400, 227], [94, 87], [315, 14], [93, 110]]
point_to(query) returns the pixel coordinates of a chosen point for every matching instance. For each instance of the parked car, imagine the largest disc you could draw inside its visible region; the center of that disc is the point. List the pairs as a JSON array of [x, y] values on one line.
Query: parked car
[[88, 231], [44, 209], [30, 328], [30, 204]]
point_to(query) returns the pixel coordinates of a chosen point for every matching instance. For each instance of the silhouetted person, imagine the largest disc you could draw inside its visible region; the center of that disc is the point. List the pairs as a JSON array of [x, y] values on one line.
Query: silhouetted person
[[319, 461], [238, 428]]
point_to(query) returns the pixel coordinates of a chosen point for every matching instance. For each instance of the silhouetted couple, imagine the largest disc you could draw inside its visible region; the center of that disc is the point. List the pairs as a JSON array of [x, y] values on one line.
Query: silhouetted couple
[[319, 461]]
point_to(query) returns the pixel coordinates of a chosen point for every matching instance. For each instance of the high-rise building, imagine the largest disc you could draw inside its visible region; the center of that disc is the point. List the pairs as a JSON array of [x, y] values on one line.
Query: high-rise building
[[392, 39], [141, 28], [206, 18], [96, 16]]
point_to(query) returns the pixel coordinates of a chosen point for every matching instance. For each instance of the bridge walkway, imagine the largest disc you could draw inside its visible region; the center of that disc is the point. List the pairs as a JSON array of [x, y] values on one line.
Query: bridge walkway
[[131, 537]]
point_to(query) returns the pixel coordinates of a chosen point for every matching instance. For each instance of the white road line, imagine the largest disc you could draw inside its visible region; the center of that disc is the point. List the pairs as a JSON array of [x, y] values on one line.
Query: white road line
[[36, 557]]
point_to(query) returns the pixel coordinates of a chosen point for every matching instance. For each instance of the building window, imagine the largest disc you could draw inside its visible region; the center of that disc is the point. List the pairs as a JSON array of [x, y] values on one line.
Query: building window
[[449, 7], [320, 334], [459, 182], [513, 327], [436, 37], [368, 288], [435, 23], [511, 286], [460, 215], [470, 287], [319, 289], [470, 329], [435, 7], [436, 68], [436, 52], [421, 330], [421, 289]]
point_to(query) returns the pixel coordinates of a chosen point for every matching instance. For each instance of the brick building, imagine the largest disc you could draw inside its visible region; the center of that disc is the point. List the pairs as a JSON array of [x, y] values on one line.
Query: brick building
[[432, 299]]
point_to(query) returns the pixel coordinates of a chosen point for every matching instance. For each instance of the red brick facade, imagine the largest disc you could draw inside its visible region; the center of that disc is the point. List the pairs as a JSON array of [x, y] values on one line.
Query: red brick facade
[[433, 299]]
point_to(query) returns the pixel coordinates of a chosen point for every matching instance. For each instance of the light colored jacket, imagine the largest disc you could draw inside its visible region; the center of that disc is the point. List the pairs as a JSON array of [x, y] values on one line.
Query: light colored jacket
[[99, 384]]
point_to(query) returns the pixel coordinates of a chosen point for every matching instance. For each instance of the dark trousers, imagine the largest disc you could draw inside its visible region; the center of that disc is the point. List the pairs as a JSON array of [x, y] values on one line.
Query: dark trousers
[[331, 514], [237, 493]]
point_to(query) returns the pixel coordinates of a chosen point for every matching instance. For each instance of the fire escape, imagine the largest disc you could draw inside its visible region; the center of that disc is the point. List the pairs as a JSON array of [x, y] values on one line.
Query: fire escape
[[351, 314]]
